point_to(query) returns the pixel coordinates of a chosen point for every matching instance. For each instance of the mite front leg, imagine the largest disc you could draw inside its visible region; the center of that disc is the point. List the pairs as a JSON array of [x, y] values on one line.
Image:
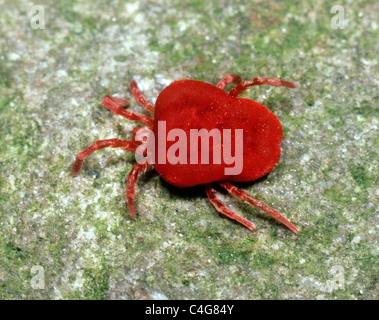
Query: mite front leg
[[142, 132], [140, 98], [258, 204], [242, 86], [97, 145], [229, 78], [211, 193], [132, 179], [111, 103]]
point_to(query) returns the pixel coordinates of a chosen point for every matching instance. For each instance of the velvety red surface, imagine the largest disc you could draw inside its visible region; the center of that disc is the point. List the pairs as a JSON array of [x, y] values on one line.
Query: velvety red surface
[[190, 104]]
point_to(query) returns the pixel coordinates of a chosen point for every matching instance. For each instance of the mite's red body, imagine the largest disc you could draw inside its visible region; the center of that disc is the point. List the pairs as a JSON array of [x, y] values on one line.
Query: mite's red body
[[189, 104]]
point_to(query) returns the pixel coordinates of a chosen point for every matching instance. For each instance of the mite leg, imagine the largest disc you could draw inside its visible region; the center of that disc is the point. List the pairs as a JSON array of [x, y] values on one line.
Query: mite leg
[[132, 179], [211, 193], [112, 104], [97, 145], [140, 98], [141, 130], [242, 86], [120, 101], [258, 204], [229, 78]]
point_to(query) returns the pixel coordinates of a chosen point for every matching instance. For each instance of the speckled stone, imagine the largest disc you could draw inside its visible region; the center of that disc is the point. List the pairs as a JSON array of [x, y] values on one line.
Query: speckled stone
[[52, 81]]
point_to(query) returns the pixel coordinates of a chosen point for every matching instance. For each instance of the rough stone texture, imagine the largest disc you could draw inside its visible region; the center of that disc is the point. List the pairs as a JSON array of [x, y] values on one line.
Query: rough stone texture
[[51, 85]]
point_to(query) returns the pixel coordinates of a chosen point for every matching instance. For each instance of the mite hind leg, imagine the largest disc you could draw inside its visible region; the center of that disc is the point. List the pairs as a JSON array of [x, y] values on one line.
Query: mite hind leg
[[258, 204], [211, 193], [229, 78], [242, 86]]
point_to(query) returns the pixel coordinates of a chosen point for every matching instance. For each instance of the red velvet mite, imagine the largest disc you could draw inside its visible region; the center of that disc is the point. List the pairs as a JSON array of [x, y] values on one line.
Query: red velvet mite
[[186, 105]]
